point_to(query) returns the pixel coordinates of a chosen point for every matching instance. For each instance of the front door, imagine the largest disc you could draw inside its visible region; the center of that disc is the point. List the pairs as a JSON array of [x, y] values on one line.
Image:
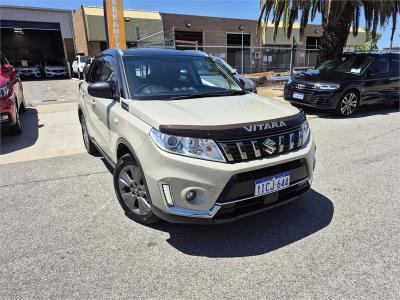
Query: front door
[[101, 108]]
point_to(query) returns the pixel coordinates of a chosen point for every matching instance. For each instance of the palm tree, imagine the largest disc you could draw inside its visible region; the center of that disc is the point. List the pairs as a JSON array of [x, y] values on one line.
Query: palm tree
[[338, 17]]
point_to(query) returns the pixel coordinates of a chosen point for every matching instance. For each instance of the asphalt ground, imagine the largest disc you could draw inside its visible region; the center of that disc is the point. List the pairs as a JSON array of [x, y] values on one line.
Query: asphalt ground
[[63, 234]]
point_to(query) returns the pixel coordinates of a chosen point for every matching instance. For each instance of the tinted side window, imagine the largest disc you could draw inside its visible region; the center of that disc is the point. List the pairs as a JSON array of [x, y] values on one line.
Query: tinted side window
[[106, 72], [395, 64], [380, 64], [95, 71]]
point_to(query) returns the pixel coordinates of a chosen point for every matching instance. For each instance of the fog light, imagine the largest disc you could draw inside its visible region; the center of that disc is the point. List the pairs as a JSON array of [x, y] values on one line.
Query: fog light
[[191, 195], [167, 194], [4, 117]]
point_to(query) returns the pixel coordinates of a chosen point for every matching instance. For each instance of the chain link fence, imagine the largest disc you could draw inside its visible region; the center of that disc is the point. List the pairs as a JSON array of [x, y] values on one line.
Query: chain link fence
[[251, 60], [161, 39]]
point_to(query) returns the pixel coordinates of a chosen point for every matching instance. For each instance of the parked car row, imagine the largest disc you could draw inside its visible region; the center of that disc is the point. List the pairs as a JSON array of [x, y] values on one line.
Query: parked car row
[[48, 69]]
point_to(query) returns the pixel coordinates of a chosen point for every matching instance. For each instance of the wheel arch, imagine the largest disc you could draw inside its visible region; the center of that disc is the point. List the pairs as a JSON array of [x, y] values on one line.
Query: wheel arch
[[355, 89], [123, 147]]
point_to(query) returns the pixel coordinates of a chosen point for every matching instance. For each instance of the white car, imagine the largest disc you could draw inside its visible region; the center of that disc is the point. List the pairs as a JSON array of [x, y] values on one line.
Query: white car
[[29, 71], [55, 71], [187, 151], [78, 65]]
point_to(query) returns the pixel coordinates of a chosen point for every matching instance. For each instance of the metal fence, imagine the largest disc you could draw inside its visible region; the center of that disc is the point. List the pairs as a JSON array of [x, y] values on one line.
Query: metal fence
[[249, 60], [246, 60]]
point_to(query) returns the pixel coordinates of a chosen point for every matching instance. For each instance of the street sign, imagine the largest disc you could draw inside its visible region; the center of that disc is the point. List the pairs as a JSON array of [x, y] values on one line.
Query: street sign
[[115, 25]]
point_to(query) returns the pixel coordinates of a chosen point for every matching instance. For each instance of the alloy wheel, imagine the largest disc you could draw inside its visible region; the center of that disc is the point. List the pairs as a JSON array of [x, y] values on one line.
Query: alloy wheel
[[133, 190], [348, 104]]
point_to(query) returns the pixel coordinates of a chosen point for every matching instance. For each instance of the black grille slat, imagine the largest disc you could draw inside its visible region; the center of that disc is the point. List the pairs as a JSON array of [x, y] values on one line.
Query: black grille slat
[[243, 150]]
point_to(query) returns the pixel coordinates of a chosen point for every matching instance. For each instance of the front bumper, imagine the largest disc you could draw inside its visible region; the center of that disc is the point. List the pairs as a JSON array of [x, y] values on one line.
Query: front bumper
[[317, 99], [29, 74], [224, 192], [56, 74], [8, 115]]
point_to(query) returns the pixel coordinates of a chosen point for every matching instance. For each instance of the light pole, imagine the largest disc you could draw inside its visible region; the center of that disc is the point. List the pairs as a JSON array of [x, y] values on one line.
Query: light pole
[[241, 28]]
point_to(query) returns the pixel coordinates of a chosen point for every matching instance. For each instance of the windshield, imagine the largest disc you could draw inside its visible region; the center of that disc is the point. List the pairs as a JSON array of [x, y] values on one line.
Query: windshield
[[224, 65], [83, 59], [347, 64], [177, 77]]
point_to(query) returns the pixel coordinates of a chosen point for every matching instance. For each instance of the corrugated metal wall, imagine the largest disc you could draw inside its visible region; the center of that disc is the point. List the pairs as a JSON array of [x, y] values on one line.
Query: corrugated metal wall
[[96, 28], [39, 15]]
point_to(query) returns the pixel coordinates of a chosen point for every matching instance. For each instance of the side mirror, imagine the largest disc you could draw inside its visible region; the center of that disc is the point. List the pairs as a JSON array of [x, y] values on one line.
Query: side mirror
[[234, 71], [88, 61], [242, 82], [102, 90], [7, 69]]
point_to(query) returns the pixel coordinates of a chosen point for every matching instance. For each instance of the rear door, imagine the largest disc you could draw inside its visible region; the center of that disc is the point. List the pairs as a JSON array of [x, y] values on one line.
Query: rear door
[[394, 77], [377, 84]]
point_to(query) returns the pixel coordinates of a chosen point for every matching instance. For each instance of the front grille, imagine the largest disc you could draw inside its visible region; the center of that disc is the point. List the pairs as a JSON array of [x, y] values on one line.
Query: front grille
[[302, 87], [261, 147]]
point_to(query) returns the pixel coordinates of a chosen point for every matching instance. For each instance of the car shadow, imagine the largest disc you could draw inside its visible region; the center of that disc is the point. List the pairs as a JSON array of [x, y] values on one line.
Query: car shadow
[[256, 235], [363, 111], [30, 133]]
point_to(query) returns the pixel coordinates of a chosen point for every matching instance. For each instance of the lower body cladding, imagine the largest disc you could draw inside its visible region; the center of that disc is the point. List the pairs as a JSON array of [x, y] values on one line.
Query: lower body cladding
[[188, 190]]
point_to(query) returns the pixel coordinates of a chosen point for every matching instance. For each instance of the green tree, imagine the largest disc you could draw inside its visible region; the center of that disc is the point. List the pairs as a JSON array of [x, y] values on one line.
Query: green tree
[[338, 17], [371, 44]]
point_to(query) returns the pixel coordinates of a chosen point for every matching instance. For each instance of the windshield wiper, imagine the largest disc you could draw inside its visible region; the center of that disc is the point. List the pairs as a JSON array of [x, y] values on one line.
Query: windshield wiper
[[197, 95]]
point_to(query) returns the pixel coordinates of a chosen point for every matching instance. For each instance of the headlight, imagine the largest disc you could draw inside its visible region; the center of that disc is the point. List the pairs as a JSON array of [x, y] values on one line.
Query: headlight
[[4, 91], [327, 86], [193, 147], [305, 132]]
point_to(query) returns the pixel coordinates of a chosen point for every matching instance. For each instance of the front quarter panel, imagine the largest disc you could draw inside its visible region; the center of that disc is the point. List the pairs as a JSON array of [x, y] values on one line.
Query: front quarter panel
[[125, 125]]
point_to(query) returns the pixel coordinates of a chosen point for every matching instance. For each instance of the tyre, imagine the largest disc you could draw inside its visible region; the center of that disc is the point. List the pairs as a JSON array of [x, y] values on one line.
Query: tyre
[[347, 104], [90, 147], [131, 189], [22, 108], [16, 128]]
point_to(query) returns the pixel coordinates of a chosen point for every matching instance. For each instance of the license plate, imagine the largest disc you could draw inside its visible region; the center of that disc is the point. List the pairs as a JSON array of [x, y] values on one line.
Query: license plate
[[272, 184], [298, 96]]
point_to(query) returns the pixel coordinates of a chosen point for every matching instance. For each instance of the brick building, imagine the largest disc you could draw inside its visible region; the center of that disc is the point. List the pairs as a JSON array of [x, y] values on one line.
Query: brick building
[[90, 34]]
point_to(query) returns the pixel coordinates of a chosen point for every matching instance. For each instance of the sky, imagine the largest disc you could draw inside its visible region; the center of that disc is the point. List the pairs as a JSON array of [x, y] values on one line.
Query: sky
[[242, 9]]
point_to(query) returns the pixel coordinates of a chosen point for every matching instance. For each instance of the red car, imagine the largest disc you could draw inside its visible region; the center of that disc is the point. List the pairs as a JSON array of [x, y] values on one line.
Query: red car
[[11, 97]]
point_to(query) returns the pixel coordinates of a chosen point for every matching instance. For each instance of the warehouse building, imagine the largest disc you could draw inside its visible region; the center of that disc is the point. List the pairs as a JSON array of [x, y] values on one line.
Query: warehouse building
[[141, 27], [36, 35]]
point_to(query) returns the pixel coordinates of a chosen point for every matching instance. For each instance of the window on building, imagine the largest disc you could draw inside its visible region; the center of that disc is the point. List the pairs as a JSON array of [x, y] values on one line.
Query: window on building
[[312, 42]]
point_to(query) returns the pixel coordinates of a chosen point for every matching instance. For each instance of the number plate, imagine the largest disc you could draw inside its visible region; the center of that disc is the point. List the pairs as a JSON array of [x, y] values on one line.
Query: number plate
[[272, 184], [298, 96]]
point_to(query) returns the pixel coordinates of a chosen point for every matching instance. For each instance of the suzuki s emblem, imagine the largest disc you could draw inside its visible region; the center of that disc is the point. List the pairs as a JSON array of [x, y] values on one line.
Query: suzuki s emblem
[[269, 146], [300, 86]]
